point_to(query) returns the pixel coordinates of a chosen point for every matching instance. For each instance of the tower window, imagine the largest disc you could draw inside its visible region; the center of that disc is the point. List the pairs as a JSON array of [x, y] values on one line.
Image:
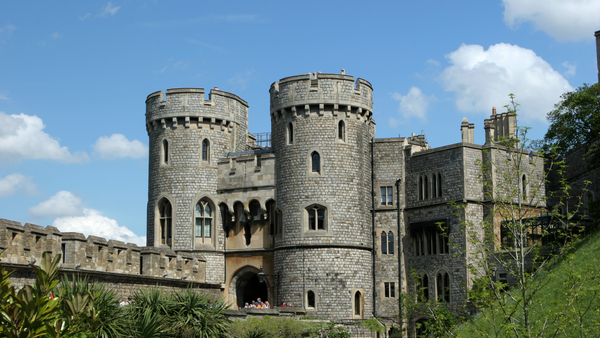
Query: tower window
[[420, 187], [203, 219], [290, 133], [341, 131], [425, 188], [316, 162], [316, 217], [423, 287], [165, 152], [357, 304], [205, 150], [439, 185], [391, 243], [165, 220], [383, 243], [310, 299]]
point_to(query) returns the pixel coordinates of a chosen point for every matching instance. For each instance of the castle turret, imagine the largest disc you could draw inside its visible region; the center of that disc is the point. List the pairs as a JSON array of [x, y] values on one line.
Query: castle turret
[[188, 134], [322, 129]]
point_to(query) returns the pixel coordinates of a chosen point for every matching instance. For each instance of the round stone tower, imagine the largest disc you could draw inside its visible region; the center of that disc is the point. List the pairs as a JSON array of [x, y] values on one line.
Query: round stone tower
[[188, 134], [321, 134]]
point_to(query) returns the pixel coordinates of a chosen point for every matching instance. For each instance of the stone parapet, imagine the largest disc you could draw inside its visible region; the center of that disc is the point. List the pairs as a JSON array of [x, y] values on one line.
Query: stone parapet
[[24, 245]]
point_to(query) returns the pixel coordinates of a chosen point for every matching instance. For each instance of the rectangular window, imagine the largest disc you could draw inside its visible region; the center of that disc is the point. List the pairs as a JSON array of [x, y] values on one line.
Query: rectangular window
[[387, 195], [321, 214], [387, 289], [393, 290], [207, 228]]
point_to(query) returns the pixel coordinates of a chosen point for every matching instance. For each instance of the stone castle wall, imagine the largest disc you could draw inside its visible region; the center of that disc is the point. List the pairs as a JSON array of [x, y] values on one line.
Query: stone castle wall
[[125, 267]]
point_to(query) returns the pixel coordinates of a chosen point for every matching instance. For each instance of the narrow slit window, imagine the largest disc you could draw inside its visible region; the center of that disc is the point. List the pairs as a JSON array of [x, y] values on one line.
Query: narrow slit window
[[383, 243], [341, 131], [165, 151], [310, 297], [316, 162], [290, 130], [205, 150], [391, 243]]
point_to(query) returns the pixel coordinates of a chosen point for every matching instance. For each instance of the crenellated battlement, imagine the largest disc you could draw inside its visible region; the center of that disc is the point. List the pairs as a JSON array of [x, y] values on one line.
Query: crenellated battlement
[[186, 107], [321, 94], [23, 245]]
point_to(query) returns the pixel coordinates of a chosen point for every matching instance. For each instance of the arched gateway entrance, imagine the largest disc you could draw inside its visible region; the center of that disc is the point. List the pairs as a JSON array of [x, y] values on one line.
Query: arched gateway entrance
[[246, 287]]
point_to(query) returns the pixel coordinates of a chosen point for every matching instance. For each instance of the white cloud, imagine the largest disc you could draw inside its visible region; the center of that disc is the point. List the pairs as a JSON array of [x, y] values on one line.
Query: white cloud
[[570, 68], [109, 9], [413, 104], [118, 146], [10, 184], [93, 223], [83, 17], [64, 203], [565, 20], [3, 96], [22, 137], [55, 35], [483, 79], [73, 217]]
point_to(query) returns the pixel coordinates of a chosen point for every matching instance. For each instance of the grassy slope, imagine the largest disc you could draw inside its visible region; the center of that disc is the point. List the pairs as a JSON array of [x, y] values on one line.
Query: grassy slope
[[569, 304]]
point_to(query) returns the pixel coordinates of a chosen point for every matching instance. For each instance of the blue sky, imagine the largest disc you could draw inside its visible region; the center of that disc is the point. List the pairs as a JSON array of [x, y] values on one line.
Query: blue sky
[[74, 76]]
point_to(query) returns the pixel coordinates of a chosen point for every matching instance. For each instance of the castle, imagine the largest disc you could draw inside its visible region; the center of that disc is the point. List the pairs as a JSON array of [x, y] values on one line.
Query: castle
[[328, 217], [318, 213]]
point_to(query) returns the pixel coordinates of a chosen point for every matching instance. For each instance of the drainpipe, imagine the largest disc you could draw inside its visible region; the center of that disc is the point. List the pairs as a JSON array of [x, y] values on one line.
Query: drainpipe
[[399, 240], [373, 223]]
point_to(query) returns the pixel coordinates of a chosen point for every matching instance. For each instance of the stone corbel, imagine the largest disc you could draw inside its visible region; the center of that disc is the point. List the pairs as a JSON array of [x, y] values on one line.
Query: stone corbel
[[212, 123], [294, 112], [348, 110], [163, 123], [321, 109], [174, 122], [307, 110], [358, 113], [223, 124], [336, 107], [187, 121]]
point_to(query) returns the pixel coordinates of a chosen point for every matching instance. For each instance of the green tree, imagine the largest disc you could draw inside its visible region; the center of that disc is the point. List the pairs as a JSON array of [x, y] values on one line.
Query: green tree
[[575, 121]]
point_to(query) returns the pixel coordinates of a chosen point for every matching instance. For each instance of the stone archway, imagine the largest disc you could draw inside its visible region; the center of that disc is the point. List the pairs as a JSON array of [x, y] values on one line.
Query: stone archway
[[245, 286]]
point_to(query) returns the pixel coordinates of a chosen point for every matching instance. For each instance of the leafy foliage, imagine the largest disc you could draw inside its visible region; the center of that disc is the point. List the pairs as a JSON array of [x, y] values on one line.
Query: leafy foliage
[[575, 121]]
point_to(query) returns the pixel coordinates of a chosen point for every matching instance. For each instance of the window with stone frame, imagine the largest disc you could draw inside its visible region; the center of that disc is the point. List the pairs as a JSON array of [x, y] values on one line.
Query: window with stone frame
[[310, 299], [341, 131], [315, 162], [420, 188], [165, 222], [317, 217], [358, 304], [442, 286], [384, 245], [387, 195], [255, 210], [422, 286], [204, 222], [272, 217], [389, 289], [387, 243], [439, 185], [390, 243], [205, 150]]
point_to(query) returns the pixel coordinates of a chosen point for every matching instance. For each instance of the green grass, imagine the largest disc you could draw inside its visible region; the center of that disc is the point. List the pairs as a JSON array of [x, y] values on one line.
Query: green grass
[[568, 304]]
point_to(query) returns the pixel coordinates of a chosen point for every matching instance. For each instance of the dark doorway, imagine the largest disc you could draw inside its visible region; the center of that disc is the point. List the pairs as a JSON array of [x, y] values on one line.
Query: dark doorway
[[252, 289]]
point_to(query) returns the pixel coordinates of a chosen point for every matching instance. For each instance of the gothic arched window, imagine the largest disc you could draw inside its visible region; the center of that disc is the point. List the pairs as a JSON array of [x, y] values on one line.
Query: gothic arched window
[[204, 220], [341, 131], [165, 221]]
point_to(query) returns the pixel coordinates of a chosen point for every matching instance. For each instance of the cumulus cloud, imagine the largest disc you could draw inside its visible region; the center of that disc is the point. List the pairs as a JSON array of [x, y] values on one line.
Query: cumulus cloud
[[73, 217], [22, 137], [109, 9], [482, 79], [414, 104], [3, 96], [12, 183], [64, 203], [118, 146], [94, 223], [565, 20]]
